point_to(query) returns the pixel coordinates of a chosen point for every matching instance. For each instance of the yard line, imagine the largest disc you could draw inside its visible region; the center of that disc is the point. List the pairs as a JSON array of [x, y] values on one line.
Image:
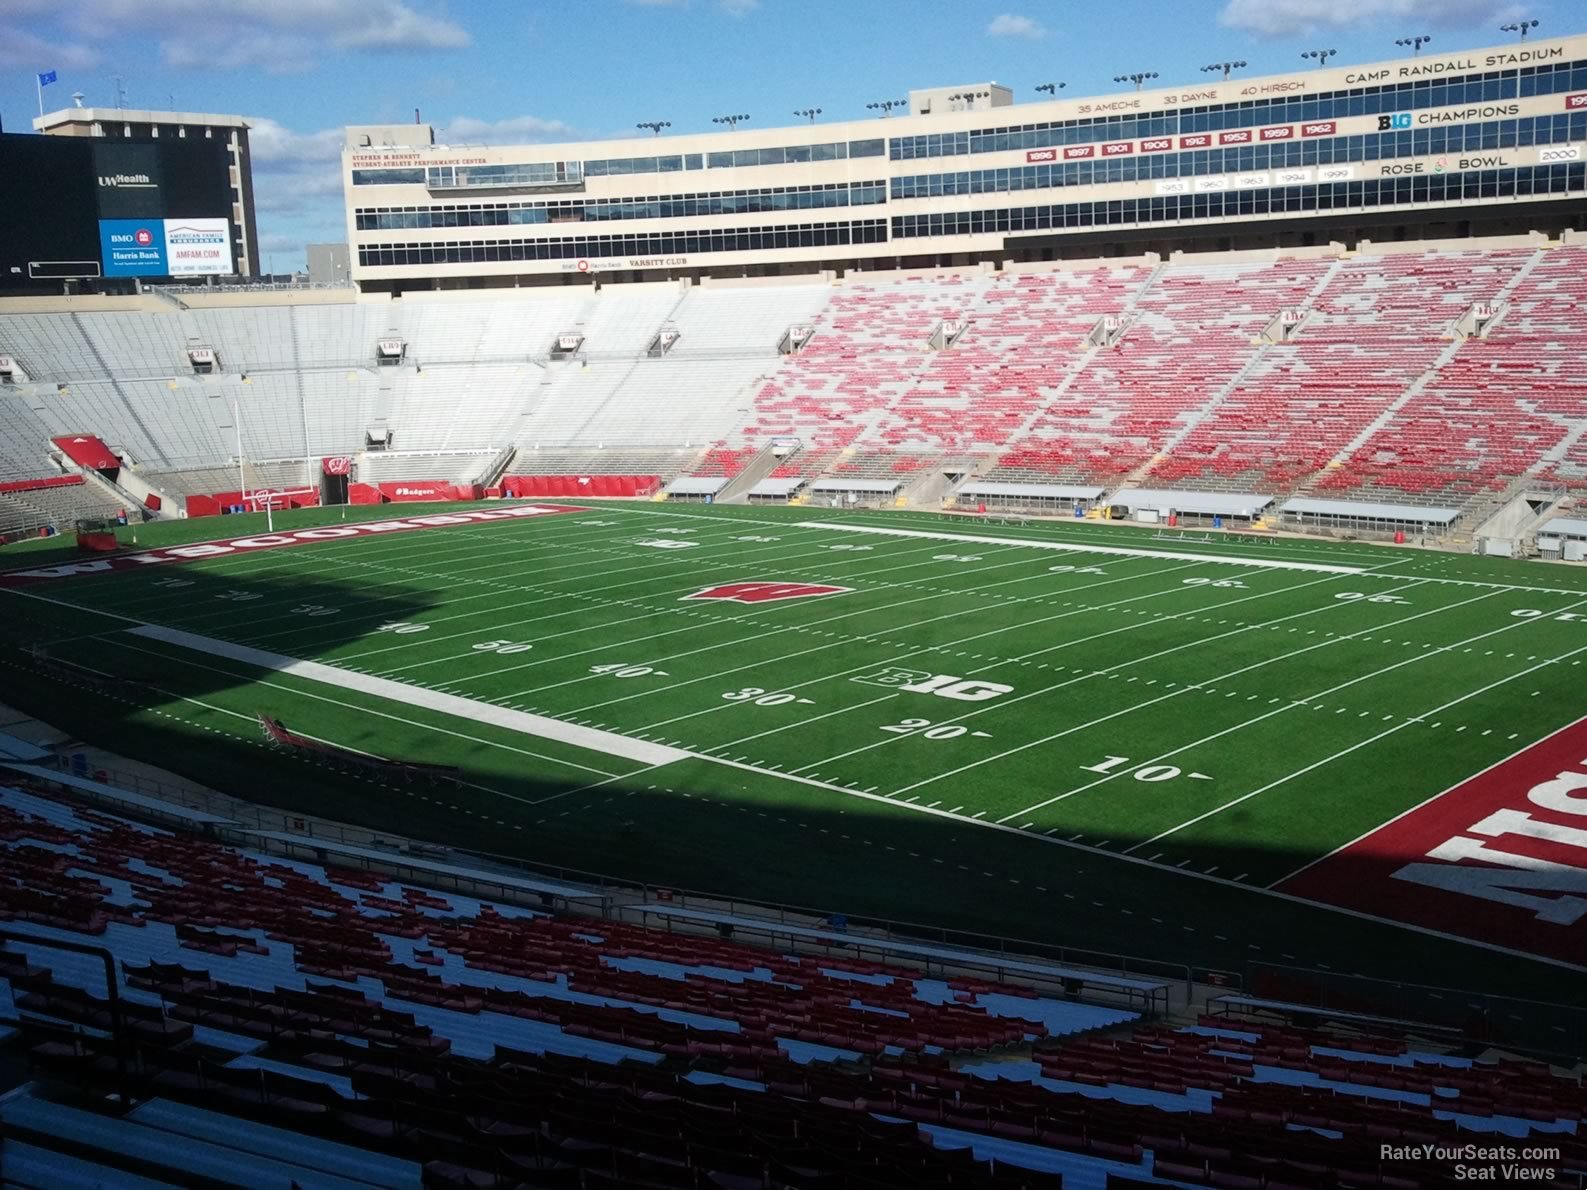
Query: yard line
[[605, 742], [167, 597], [1312, 863], [1362, 744], [280, 559], [1380, 571], [407, 574], [1066, 527], [718, 675], [1293, 703], [291, 559], [802, 723], [934, 596], [253, 720], [667, 608], [1124, 858], [745, 615], [1115, 551], [647, 579], [1086, 676], [1026, 624], [120, 642]]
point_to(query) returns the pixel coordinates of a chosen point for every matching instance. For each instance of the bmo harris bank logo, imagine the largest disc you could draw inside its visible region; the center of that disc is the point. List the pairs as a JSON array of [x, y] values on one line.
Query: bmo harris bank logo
[[141, 238]]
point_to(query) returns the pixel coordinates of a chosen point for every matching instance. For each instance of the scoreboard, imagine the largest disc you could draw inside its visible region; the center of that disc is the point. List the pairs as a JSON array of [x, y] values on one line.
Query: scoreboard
[[81, 207]]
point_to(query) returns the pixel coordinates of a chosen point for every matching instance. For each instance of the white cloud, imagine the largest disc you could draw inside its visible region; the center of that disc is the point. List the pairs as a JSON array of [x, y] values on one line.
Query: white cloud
[[280, 241], [733, 8], [275, 146], [21, 50], [512, 130], [345, 24], [279, 36], [270, 53], [1301, 18], [297, 185], [1010, 25]]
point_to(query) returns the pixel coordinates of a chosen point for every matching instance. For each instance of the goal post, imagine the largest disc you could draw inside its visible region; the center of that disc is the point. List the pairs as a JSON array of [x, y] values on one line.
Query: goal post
[[268, 500]]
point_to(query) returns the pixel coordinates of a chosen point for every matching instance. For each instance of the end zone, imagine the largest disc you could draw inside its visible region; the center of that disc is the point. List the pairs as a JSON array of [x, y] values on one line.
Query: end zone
[[197, 552], [1500, 858]]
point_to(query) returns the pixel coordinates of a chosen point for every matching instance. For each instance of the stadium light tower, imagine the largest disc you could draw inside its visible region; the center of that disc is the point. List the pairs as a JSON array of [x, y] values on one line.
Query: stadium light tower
[[886, 106], [1138, 78], [1051, 88], [1322, 56], [655, 126], [968, 98], [810, 113], [1521, 27], [1226, 67], [730, 121], [1415, 43]]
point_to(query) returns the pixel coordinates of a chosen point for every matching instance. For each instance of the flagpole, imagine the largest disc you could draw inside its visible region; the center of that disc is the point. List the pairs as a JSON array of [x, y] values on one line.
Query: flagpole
[[38, 82]]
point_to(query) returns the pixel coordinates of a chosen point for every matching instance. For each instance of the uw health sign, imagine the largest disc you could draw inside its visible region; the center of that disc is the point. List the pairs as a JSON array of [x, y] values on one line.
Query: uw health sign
[[165, 247]]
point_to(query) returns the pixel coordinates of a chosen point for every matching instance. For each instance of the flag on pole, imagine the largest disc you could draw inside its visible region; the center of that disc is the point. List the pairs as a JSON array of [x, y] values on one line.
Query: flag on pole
[[46, 77]]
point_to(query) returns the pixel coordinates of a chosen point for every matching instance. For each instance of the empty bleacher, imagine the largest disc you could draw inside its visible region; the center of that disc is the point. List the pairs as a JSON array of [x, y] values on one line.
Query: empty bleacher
[[868, 350], [283, 1021], [1378, 325], [1374, 395], [1503, 405]]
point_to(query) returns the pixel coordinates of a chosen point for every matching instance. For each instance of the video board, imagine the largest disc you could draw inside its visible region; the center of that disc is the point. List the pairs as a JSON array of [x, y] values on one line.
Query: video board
[[93, 207]]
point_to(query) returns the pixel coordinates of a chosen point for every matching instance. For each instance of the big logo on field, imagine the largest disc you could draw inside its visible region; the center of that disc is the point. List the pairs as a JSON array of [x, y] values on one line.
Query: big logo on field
[[767, 591]]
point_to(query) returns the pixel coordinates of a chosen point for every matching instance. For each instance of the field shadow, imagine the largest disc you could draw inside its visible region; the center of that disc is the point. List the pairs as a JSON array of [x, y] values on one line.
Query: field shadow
[[706, 829]]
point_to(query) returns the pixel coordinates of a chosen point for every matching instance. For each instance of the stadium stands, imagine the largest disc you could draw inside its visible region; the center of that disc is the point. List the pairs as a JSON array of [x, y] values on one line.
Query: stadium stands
[[868, 349], [1189, 338], [1189, 391], [1008, 373], [398, 1034]]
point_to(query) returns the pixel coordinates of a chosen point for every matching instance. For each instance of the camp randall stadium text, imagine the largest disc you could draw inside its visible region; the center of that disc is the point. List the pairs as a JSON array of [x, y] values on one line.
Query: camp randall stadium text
[[1453, 65]]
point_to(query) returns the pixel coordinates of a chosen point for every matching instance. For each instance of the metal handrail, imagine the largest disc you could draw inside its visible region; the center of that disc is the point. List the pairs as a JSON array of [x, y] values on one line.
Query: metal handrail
[[118, 1032]]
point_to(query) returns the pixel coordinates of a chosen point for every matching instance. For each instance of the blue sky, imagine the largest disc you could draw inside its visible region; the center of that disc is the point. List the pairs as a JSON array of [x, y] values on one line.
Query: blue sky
[[515, 71]]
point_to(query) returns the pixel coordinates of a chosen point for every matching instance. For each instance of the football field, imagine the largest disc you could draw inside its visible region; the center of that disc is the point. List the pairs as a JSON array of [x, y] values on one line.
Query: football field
[[1136, 742]]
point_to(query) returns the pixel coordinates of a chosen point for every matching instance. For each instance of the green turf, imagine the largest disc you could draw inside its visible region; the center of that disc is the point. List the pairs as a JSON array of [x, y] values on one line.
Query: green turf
[[1307, 717]]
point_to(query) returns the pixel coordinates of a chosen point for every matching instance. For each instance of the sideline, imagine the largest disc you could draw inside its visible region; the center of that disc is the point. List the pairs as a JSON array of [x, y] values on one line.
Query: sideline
[[610, 743], [1115, 550]]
